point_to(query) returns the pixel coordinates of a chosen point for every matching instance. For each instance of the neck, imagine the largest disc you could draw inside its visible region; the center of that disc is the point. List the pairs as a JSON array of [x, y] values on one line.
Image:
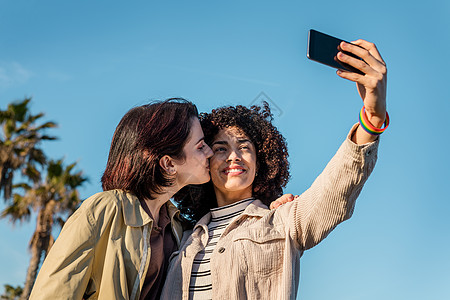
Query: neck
[[154, 206], [230, 197]]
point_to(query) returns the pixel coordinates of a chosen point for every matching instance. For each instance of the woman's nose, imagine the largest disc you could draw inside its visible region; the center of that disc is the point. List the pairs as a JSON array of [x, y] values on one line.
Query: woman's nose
[[209, 152], [234, 156]]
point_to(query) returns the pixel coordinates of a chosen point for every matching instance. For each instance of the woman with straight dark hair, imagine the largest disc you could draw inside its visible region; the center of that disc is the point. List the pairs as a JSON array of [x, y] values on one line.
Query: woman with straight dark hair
[[117, 244]]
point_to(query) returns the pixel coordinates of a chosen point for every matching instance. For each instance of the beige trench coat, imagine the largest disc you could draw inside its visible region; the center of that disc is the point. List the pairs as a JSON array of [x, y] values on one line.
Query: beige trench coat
[[103, 251]]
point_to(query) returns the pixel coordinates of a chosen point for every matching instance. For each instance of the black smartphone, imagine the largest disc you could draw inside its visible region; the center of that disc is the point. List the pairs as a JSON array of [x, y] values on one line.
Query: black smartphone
[[323, 48]]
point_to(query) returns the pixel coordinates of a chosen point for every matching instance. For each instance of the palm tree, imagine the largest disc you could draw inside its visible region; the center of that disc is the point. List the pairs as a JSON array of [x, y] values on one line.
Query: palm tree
[[19, 142], [52, 199], [11, 293]]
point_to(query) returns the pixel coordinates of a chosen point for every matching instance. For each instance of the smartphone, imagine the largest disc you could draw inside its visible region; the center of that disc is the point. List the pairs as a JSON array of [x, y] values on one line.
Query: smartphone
[[323, 48]]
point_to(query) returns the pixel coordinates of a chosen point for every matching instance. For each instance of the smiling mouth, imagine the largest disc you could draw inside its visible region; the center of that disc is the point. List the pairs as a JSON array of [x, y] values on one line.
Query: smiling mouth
[[233, 172]]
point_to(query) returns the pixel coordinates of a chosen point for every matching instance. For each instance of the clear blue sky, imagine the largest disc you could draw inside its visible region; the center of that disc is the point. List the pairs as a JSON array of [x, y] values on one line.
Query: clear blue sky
[[85, 63]]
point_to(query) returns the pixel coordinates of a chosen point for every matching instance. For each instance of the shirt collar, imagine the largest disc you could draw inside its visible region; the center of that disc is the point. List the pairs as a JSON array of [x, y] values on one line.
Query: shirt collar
[[230, 208], [134, 214]]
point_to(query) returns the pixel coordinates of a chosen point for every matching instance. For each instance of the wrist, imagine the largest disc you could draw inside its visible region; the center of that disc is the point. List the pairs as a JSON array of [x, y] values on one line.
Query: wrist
[[371, 128], [375, 119]]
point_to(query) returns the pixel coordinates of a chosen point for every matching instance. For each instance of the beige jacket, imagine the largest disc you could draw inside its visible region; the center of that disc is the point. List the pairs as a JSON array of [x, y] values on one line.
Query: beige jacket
[[258, 255], [103, 251]]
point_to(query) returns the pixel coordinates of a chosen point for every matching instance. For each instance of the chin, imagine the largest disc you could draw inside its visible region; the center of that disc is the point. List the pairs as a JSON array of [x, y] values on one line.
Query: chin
[[236, 188]]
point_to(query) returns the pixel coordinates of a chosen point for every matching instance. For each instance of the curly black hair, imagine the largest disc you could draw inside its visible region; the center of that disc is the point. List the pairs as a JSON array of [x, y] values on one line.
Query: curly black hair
[[194, 201]]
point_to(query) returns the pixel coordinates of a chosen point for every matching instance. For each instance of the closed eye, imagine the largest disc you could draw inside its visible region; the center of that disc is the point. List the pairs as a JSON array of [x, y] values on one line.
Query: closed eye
[[202, 146]]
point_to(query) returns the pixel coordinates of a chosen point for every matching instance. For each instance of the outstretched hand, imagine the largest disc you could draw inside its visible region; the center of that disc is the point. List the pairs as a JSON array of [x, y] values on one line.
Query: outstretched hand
[[371, 86]]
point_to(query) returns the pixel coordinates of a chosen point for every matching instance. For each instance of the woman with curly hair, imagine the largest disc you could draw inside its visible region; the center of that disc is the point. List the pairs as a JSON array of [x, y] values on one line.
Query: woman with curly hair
[[240, 249]]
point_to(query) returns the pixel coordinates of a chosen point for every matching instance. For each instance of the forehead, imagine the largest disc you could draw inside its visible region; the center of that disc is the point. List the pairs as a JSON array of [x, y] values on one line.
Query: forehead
[[231, 133], [195, 130]]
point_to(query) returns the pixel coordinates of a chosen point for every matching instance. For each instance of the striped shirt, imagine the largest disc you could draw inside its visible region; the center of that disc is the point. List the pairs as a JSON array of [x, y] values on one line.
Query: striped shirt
[[200, 286]]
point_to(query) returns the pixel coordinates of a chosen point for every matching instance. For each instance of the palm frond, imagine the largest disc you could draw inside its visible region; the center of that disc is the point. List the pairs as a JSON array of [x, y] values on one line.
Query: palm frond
[[46, 125], [18, 210]]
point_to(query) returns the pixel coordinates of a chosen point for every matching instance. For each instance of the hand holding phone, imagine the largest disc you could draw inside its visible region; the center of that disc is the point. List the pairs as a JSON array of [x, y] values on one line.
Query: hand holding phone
[[323, 48], [360, 62]]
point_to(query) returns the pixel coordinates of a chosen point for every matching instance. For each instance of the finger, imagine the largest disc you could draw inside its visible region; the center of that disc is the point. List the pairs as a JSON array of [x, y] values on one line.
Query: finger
[[367, 81], [285, 197], [356, 63], [352, 76], [365, 54], [274, 205], [371, 47], [282, 200]]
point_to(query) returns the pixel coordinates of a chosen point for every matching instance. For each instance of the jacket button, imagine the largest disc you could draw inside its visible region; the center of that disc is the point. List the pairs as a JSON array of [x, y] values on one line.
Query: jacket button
[[221, 250]]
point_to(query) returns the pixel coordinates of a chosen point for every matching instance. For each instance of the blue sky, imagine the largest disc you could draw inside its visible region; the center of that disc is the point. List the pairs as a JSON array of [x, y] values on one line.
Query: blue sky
[[86, 63]]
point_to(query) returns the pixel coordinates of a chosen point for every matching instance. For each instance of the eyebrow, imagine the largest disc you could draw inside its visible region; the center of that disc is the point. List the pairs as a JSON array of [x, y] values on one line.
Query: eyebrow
[[219, 143], [201, 139], [244, 141], [226, 143]]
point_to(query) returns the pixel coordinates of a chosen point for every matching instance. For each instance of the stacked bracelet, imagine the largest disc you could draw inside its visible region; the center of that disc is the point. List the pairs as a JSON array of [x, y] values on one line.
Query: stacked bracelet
[[368, 127]]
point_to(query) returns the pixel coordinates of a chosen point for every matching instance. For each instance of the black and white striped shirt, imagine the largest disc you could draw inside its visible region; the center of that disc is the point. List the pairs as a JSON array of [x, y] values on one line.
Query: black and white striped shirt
[[200, 286]]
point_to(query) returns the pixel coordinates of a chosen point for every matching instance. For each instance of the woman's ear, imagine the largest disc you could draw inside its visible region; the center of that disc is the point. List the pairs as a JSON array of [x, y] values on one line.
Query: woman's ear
[[167, 164]]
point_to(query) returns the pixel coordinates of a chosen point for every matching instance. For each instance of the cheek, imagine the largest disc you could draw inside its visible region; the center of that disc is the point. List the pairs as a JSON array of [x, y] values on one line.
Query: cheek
[[198, 158], [251, 161], [214, 163]]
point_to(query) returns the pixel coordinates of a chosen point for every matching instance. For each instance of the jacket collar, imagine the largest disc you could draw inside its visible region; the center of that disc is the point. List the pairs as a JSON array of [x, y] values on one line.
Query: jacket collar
[[203, 222], [134, 214], [254, 209], [173, 210]]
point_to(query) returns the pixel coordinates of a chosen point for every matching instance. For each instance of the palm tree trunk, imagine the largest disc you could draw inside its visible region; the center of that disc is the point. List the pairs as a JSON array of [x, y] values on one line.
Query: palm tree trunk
[[39, 245], [32, 268]]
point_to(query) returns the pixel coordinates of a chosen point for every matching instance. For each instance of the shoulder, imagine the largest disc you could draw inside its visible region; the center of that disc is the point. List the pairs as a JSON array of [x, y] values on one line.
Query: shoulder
[[102, 205], [271, 217], [104, 200]]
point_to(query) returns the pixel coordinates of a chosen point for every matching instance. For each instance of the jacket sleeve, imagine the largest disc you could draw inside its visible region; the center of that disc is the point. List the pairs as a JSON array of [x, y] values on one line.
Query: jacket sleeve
[[67, 268], [331, 198]]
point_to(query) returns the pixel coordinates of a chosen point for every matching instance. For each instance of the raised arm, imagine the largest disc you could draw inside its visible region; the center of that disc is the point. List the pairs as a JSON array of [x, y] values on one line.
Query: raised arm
[[331, 198]]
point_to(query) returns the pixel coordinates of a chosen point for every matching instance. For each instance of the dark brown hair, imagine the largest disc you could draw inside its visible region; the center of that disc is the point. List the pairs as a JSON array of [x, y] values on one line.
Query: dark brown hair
[[271, 154], [144, 135]]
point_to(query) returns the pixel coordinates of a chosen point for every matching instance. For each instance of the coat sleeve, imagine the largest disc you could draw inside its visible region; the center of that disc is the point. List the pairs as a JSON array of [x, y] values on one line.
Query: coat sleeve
[[67, 268], [331, 198]]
